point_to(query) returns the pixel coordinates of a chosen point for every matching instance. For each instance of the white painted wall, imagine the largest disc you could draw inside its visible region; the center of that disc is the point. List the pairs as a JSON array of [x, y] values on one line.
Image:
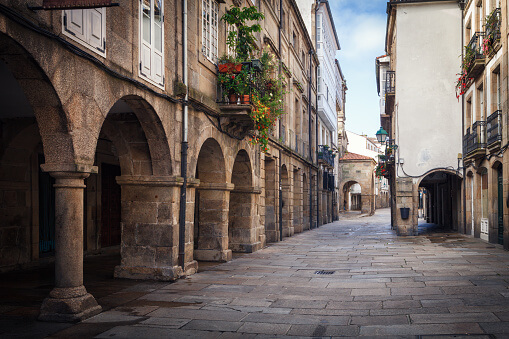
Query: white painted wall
[[428, 115], [359, 144]]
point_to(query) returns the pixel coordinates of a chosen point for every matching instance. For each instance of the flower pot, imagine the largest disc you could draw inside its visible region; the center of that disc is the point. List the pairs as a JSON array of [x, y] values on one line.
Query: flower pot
[[232, 98], [244, 99], [229, 68]]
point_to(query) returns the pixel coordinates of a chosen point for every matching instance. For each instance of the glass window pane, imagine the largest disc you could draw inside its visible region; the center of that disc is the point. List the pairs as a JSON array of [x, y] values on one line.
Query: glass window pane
[[146, 21]]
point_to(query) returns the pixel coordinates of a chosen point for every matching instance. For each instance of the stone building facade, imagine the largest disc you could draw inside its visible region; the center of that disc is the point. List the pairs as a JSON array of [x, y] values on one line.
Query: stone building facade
[[484, 96], [421, 111], [96, 134], [358, 170]]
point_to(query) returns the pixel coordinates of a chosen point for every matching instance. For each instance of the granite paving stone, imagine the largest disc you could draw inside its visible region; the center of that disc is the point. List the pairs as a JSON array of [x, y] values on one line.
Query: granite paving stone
[[437, 284]]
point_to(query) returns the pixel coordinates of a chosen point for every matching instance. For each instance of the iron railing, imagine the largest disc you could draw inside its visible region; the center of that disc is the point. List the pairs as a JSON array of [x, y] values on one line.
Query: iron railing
[[494, 127], [475, 138], [326, 155], [390, 82], [474, 50], [493, 25]]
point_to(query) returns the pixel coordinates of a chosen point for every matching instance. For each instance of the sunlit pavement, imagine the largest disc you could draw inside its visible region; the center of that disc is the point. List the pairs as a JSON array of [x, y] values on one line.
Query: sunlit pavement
[[353, 277]]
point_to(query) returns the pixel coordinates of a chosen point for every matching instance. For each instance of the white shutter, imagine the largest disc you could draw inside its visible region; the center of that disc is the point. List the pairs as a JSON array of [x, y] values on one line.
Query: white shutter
[[96, 28], [74, 23], [152, 41]]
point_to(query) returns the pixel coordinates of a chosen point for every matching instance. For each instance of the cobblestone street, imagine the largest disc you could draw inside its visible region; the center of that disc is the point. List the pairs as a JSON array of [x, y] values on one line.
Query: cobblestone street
[[372, 284]]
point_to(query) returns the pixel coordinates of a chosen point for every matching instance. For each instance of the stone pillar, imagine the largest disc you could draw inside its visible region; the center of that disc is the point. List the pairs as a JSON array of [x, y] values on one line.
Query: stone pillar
[[242, 227], [213, 204], [69, 301], [405, 196], [190, 265], [150, 210]]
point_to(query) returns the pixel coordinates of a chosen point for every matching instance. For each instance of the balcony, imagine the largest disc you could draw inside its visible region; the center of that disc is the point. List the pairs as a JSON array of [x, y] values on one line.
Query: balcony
[[474, 141], [328, 181], [390, 91], [326, 156], [494, 130], [491, 44], [474, 59]]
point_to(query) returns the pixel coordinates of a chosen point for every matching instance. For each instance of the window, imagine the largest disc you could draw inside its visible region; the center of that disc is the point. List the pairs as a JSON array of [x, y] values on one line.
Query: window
[[319, 79], [151, 36], [87, 26], [210, 10], [318, 31]]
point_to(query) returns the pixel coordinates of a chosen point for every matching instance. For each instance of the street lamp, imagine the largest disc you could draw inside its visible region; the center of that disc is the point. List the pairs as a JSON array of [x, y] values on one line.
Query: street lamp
[[381, 135]]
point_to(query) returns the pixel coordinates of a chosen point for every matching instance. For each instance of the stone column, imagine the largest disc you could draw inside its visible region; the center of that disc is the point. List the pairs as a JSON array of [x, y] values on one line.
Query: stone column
[[149, 246], [69, 301], [213, 204], [242, 220], [190, 265]]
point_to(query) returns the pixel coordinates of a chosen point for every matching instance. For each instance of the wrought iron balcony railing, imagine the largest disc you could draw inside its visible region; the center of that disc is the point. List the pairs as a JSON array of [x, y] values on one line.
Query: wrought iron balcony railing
[[493, 25], [494, 128], [325, 155], [474, 141], [473, 60]]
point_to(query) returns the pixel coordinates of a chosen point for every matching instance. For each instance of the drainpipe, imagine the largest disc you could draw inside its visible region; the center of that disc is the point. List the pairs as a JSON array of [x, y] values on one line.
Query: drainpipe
[[464, 228], [183, 167], [309, 137], [318, 2], [280, 127]]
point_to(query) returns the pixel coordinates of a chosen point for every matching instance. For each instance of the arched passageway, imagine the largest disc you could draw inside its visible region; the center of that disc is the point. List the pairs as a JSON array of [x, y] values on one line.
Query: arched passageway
[[271, 199], [297, 202], [211, 206], [352, 196], [242, 232], [288, 229], [439, 200]]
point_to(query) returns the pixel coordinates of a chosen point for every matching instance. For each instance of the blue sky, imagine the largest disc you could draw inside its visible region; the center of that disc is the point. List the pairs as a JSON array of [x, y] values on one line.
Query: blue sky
[[360, 25]]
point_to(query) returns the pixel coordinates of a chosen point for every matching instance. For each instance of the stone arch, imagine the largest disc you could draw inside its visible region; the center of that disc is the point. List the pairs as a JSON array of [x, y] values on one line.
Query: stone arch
[[352, 201], [297, 201], [286, 202], [211, 204], [444, 170], [42, 98], [441, 198], [305, 201], [242, 235], [271, 200], [496, 229], [137, 132]]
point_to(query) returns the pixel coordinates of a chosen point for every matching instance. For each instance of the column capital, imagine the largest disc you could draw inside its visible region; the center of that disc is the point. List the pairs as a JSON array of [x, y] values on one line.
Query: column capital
[[149, 180], [216, 186], [69, 167]]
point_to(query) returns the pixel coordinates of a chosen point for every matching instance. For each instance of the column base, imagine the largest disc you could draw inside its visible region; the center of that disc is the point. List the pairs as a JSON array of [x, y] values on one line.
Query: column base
[[271, 236], [213, 255], [246, 248], [406, 230], [148, 273], [288, 231], [69, 305]]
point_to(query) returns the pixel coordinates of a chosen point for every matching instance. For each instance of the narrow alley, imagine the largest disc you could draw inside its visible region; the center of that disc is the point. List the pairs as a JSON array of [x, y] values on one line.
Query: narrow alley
[[354, 277]]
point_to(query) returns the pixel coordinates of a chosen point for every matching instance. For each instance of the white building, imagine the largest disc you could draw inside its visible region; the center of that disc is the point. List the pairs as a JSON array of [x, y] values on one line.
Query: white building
[[331, 85], [422, 113]]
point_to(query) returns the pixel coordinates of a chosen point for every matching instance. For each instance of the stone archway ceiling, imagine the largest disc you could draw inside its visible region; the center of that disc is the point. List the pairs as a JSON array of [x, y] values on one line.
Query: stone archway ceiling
[[12, 97]]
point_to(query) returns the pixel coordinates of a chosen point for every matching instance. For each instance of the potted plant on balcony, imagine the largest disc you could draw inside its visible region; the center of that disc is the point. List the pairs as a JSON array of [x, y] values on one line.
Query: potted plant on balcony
[[229, 64], [492, 29], [242, 39]]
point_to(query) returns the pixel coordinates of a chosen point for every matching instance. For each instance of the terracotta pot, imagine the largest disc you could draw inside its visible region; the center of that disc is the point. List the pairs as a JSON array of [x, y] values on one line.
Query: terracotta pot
[[232, 98], [229, 68], [244, 99]]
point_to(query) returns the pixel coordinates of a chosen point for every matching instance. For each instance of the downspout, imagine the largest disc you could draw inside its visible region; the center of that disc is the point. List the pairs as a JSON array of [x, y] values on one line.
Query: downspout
[[309, 136], [280, 126], [183, 166], [464, 228], [318, 2]]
